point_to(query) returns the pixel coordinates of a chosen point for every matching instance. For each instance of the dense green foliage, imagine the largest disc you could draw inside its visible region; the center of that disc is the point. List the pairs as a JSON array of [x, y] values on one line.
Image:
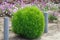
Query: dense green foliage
[[28, 22]]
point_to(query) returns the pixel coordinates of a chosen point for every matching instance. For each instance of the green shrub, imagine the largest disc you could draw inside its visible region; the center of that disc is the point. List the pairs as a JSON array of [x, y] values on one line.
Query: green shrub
[[52, 18], [28, 22]]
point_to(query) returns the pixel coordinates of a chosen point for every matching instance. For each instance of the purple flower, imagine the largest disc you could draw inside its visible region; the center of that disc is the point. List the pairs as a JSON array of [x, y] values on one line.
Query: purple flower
[[2, 7], [7, 7]]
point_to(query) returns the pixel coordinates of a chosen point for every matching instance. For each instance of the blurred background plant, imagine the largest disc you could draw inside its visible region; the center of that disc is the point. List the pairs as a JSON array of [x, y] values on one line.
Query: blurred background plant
[[52, 18], [8, 8], [43, 5]]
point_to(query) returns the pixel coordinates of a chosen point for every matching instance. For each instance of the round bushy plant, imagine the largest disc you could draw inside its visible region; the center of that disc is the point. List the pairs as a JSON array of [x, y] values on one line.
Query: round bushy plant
[[28, 22]]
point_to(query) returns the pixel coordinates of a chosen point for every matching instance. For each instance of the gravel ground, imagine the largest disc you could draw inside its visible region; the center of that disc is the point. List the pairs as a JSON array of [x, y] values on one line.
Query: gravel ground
[[53, 33]]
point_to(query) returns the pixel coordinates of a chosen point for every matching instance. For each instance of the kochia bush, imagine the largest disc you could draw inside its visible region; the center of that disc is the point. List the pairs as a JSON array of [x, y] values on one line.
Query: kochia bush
[[28, 22]]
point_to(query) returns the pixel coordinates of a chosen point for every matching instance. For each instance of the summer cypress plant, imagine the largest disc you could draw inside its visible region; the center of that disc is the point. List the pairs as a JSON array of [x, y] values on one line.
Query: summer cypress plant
[[28, 22]]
